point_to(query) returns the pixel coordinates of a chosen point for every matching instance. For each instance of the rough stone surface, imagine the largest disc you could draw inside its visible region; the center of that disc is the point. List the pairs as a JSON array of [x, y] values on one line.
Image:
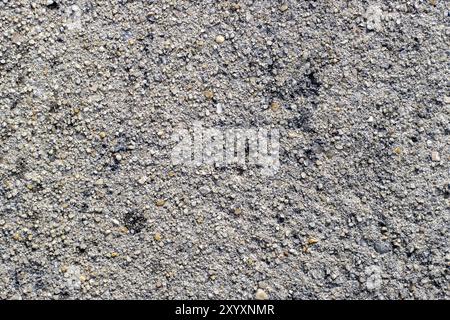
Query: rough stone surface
[[91, 206]]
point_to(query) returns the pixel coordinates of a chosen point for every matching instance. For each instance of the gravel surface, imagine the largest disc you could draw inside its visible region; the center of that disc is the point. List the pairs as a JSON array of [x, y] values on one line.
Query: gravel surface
[[92, 207]]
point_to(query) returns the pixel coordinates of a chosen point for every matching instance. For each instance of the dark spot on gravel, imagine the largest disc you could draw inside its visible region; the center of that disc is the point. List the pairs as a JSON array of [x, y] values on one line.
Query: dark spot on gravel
[[135, 221], [53, 5]]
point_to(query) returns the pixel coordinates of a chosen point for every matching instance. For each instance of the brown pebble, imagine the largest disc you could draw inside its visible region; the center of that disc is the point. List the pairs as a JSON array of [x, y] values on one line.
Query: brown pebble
[[274, 106], [208, 94], [397, 150], [123, 229], [160, 202]]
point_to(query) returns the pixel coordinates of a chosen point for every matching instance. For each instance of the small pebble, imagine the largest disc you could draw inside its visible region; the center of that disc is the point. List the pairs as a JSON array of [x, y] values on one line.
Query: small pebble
[[160, 202], [208, 94], [220, 39], [435, 156], [382, 247], [142, 180], [274, 106], [261, 295], [284, 8], [123, 229]]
